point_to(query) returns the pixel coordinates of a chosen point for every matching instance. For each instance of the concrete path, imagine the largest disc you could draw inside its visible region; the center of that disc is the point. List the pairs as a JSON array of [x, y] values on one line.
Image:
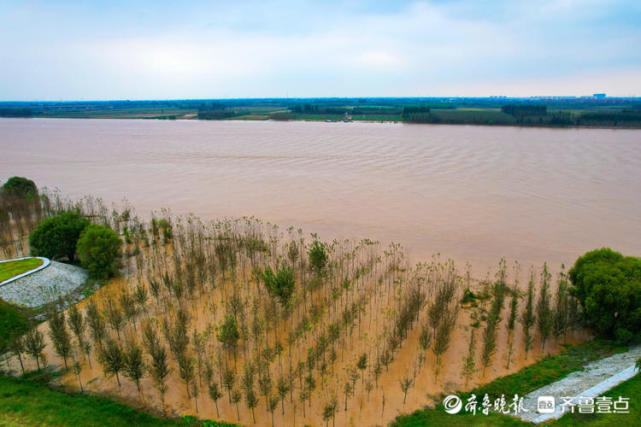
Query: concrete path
[[44, 286], [597, 377]]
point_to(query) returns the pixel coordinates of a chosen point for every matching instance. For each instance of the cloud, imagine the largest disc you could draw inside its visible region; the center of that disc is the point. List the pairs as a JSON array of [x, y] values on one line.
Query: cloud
[[335, 48]]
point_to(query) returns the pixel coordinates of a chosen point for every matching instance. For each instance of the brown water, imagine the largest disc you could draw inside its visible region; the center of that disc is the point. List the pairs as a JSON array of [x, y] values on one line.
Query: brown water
[[471, 193]]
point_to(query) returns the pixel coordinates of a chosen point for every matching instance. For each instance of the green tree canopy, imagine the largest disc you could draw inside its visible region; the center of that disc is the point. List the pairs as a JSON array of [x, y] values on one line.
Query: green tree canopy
[[56, 237], [318, 256], [99, 251], [19, 187], [608, 286], [280, 284]]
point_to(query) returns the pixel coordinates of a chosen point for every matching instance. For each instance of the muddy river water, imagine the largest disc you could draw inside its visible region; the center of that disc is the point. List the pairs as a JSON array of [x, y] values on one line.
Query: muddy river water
[[468, 192]]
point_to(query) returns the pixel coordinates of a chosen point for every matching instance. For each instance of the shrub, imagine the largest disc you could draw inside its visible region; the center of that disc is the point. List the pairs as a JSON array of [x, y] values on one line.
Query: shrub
[[56, 237], [99, 251], [608, 285]]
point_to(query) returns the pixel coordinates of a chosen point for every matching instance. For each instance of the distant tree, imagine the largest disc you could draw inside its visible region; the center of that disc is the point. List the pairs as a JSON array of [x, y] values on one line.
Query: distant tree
[[99, 251], [56, 237], [20, 188]]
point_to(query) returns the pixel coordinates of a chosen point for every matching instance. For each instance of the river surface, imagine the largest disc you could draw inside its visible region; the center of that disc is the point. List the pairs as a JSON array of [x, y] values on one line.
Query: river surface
[[471, 193]]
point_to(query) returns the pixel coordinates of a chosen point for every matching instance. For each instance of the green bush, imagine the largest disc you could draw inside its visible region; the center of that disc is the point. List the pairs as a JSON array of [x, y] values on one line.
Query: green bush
[[99, 251], [56, 237], [19, 187], [608, 286]]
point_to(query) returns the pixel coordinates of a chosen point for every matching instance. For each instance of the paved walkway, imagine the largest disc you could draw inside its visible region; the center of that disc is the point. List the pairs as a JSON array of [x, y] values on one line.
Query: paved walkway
[[597, 377], [44, 286]]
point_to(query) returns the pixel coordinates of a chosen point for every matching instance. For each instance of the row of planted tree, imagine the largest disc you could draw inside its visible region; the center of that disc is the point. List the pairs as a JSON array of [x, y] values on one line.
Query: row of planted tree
[[259, 325]]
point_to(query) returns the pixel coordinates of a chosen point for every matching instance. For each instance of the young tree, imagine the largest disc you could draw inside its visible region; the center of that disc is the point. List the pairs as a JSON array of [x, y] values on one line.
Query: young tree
[[134, 366], [528, 318], [442, 336], [265, 387], [561, 314], [228, 335], [95, 321], [236, 396], [17, 347], [362, 365], [406, 383], [76, 370], [318, 256], [59, 334], [280, 284], [215, 394], [229, 380], [273, 404], [511, 323], [252, 402], [329, 411], [111, 358], [77, 324], [114, 316], [282, 388], [34, 343], [544, 313], [469, 365], [159, 370]]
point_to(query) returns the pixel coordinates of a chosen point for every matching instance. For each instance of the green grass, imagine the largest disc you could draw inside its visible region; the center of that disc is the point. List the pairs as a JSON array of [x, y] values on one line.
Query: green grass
[[546, 371], [30, 402], [630, 389], [13, 268], [14, 321]]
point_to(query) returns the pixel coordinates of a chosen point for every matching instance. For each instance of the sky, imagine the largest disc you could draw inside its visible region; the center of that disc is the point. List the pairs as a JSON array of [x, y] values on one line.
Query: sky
[[100, 50]]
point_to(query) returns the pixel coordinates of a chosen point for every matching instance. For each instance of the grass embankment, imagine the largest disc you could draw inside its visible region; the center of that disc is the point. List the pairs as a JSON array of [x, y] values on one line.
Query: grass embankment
[[32, 402], [547, 371], [14, 321], [13, 268]]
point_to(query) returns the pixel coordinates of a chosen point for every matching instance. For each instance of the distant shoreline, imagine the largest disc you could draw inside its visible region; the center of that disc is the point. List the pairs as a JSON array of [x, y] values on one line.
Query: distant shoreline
[[400, 122]]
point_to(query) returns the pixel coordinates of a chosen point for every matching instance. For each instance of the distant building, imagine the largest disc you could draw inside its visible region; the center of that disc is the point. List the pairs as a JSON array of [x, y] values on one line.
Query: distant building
[[599, 95]]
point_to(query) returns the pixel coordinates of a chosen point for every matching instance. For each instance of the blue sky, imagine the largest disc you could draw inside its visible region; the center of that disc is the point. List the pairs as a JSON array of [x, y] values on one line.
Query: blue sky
[[63, 50]]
